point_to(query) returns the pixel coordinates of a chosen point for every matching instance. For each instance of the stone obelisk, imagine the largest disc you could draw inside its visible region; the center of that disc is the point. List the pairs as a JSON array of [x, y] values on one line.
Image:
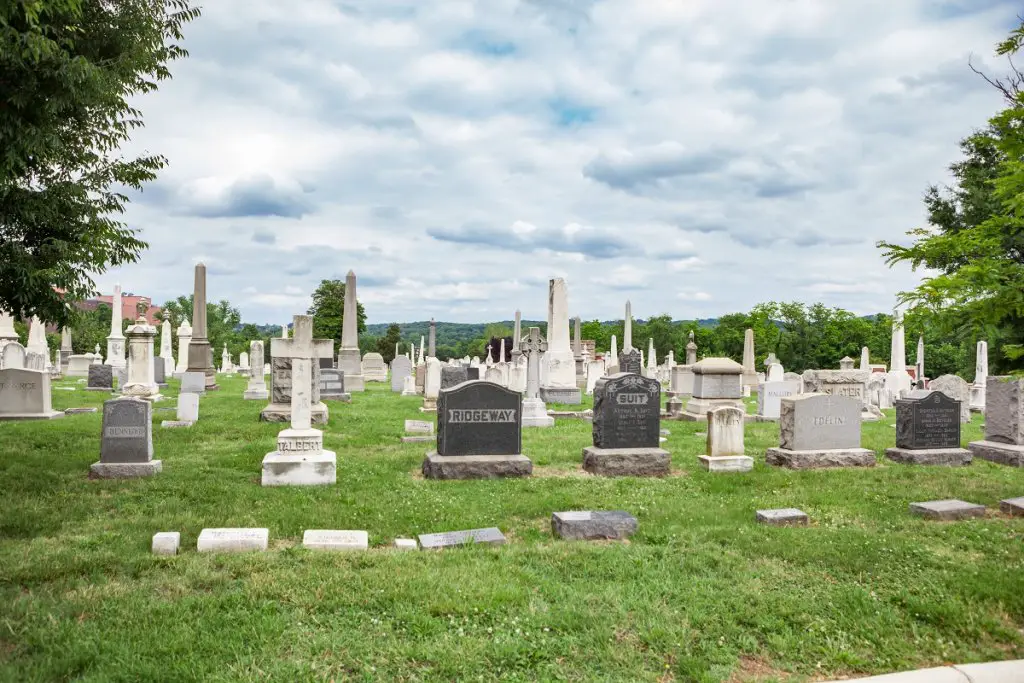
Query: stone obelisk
[[560, 382], [166, 348], [432, 339], [7, 333], [200, 353], [115, 340], [749, 370], [627, 329], [184, 340], [349, 360], [517, 332]]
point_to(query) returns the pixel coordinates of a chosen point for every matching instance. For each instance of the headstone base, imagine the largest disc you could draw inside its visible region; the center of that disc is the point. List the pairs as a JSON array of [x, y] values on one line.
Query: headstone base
[[429, 405], [51, 415], [569, 396], [627, 462], [954, 457], [282, 412], [535, 414], [697, 408], [727, 463], [411, 392], [124, 470], [256, 395], [593, 526], [806, 460], [109, 390], [313, 469], [999, 453], [476, 466], [341, 398]]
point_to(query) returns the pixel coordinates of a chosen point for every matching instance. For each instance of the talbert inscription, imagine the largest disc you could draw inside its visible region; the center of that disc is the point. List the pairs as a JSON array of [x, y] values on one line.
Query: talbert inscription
[[310, 444]]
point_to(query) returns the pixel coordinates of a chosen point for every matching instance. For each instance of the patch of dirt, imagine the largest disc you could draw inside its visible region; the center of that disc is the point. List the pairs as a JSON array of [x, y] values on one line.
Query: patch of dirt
[[752, 669]]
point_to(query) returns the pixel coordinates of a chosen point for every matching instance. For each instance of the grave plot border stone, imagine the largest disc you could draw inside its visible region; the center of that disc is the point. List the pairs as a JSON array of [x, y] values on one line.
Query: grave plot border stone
[[593, 525], [166, 543], [461, 405], [915, 445]]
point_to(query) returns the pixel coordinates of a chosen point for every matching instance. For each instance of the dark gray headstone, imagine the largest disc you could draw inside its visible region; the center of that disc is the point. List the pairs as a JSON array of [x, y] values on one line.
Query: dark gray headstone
[[629, 362], [127, 431], [479, 418], [159, 371], [627, 410], [326, 363], [332, 382], [281, 381], [452, 376], [472, 373], [931, 420], [101, 377], [490, 536]]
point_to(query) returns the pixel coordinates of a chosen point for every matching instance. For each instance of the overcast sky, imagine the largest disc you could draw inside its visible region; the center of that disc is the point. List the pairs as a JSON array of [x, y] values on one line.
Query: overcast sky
[[696, 157]]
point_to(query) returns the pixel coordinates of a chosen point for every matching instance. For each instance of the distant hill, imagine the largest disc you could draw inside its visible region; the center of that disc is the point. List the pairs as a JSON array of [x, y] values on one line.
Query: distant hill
[[452, 333]]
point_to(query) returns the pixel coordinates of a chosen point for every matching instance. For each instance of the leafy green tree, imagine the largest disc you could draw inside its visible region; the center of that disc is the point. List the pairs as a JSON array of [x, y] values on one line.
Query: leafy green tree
[[386, 344], [223, 322], [91, 328], [328, 311], [70, 70], [975, 239]]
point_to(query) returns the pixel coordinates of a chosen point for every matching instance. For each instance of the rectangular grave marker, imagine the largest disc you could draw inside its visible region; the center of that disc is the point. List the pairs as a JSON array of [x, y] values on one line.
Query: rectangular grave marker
[[627, 409], [927, 419], [232, 540], [479, 418], [449, 539]]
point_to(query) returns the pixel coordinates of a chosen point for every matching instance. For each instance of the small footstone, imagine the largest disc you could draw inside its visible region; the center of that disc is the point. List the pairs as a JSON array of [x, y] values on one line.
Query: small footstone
[[590, 526], [78, 411], [727, 463], [166, 543], [783, 517], [232, 540], [171, 424], [419, 427], [418, 439], [323, 539], [1013, 506], [448, 539], [947, 509], [406, 544]]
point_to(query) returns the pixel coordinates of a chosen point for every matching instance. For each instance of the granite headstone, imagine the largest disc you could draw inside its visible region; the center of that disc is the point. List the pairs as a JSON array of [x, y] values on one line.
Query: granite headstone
[[927, 419], [630, 363], [479, 418], [627, 407]]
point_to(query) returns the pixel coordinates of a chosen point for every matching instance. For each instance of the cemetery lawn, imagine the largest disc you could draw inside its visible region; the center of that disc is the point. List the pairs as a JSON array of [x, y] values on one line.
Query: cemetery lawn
[[700, 593]]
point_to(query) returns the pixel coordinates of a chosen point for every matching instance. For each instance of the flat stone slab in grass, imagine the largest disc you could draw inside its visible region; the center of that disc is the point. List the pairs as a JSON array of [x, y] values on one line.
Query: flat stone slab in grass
[[476, 466], [232, 540], [166, 543], [172, 424], [627, 462], [999, 453], [80, 411], [807, 460], [418, 439], [125, 470], [324, 539], [783, 517], [593, 526], [947, 509], [727, 463], [950, 457], [419, 427], [1013, 506], [405, 544], [448, 539]]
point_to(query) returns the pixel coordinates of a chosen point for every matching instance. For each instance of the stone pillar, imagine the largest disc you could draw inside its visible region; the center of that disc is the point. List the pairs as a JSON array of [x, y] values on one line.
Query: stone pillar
[[200, 353], [865, 359], [691, 350], [166, 349], [898, 352], [919, 361], [115, 340], [432, 349], [652, 359], [65, 348], [37, 342], [749, 369], [517, 333], [614, 353], [7, 333], [349, 360], [560, 386], [141, 376], [184, 339], [627, 329], [980, 378]]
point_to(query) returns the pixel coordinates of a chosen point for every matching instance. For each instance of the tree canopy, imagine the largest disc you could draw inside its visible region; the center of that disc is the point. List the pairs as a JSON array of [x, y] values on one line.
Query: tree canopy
[[328, 311], [67, 71]]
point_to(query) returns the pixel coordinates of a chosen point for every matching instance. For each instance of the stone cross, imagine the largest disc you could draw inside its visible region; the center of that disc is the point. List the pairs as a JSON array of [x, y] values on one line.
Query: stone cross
[[532, 346], [301, 351], [488, 354]]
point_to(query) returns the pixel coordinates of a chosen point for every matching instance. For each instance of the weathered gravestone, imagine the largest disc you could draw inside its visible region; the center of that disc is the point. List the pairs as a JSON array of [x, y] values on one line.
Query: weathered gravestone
[[717, 383], [332, 385], [280, 407], [820, 430], [725, 442], [928, 430], [25, 395], [957, 389], [769, 398], [850, 383], [374, 369], [193, 383], [626, 428], [401, 367], [187, 412], [126, 445], [1004, 422], [160, 373], [453, 375], [101, 378], [593, 525], [479, 434], [630, 362], [450, 539]]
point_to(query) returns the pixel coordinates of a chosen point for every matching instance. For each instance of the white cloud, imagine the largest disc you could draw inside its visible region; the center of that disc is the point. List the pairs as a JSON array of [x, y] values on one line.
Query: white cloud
[[456, 155]]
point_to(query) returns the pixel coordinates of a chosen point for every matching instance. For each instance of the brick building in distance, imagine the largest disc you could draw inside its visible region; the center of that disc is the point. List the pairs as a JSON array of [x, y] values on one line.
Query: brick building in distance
[[130, 307]]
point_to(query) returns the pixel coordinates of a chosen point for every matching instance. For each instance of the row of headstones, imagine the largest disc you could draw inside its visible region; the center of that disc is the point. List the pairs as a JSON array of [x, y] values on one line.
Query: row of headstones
[[573, 525]]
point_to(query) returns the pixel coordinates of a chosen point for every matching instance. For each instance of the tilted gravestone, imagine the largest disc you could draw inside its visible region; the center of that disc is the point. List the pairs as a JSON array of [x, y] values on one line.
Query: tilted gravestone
[[626, 428], [126, 445], [820, 430], [101, 378], [629, 362], [1004, 422], [928, 430], [479, 434]]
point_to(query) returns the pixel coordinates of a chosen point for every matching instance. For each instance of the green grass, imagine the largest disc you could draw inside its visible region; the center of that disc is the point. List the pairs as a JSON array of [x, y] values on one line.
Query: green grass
[[701, 592]]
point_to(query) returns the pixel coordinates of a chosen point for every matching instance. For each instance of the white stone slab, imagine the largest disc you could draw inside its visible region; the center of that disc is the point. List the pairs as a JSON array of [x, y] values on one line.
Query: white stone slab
[[419, 427], [232, 540], [727, 463], [327, 539], [166, 543], [406, 544]]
